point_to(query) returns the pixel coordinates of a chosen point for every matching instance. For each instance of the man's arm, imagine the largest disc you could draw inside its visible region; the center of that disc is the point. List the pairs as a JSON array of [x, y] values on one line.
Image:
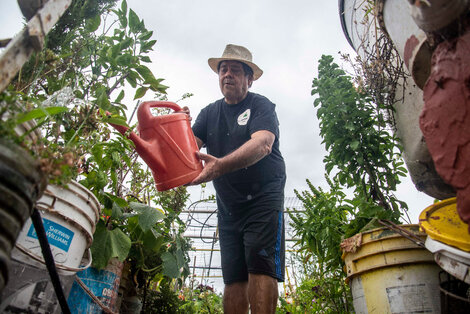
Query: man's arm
[[248, 154]]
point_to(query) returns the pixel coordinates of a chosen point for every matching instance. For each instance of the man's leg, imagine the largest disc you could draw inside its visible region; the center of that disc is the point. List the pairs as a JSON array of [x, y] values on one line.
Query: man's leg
[[236, 298], [263, 294]]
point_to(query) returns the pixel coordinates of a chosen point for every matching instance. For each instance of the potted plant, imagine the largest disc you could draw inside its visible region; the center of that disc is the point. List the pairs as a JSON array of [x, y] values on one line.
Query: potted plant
[[67, 88], [365, 166]]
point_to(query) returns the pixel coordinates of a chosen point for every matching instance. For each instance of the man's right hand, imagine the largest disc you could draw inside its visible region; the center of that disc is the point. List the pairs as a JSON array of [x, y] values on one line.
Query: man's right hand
[[185, 110]]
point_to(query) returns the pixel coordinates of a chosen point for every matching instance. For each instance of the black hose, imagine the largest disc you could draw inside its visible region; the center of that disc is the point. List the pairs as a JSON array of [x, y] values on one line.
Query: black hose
[[49, 259]]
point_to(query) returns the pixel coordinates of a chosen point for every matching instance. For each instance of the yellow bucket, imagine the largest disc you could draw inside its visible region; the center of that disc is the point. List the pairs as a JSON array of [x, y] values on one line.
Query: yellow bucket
[[389, 273], [442, 223], [448, 238]]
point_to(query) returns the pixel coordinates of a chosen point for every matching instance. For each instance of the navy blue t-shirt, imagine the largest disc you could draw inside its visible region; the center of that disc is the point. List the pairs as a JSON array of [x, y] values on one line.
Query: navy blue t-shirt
[[223, 128]]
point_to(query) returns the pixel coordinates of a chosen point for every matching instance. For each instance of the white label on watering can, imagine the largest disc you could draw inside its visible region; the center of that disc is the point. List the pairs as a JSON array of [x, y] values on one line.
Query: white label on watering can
[[57, 235], [409, 299]]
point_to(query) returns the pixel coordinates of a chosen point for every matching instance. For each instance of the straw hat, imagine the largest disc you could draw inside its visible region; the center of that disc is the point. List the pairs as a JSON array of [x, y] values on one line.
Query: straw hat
[[236, 53]]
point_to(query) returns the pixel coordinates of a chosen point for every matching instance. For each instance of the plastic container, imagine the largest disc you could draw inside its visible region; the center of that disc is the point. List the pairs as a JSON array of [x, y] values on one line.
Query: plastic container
[[454, 296], [69, 216], [167, 145], [391, 274], [448, 238], [104, 284]]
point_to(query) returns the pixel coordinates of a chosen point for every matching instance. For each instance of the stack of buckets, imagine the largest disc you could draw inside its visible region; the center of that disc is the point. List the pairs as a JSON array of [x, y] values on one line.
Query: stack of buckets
[[449, 240], [388, 273], [69, 216]]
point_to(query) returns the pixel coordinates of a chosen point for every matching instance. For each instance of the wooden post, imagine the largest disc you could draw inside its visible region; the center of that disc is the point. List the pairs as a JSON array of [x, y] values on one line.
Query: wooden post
[[31, 38]]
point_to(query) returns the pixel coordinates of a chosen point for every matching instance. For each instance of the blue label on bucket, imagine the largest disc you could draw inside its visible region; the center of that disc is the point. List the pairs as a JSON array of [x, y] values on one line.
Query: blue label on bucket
[[57, 235]]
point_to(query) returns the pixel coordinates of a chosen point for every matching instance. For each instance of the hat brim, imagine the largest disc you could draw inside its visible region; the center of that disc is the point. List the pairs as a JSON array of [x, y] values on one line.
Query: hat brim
[[214, 63]]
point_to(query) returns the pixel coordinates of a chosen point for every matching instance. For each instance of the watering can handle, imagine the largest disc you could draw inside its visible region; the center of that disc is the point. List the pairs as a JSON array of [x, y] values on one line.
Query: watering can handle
[[160, 104], [145, 116]]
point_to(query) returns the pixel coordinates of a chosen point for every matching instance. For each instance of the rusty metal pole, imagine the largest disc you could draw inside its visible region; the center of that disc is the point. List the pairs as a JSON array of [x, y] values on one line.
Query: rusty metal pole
[[31, 38]]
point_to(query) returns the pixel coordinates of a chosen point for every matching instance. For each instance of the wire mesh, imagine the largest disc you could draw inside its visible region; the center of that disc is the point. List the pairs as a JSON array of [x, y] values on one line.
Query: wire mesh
[[201, 228]]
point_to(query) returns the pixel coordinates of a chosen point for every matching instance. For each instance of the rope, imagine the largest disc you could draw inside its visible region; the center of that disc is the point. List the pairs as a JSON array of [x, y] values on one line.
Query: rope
[[403, 232], [93, 297]]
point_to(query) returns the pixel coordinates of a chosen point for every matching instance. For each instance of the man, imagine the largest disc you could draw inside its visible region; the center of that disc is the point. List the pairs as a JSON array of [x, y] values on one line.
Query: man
[[241, 133]]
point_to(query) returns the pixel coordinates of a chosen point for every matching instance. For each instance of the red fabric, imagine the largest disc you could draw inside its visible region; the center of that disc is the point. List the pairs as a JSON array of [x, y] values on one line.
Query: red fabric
[[445, 119]]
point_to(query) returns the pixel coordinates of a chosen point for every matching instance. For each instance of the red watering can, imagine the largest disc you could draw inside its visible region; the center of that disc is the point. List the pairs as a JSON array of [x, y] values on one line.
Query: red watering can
[[167, 145]]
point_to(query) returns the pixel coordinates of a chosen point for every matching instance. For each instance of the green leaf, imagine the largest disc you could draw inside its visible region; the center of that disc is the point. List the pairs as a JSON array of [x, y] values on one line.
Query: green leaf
[[108, 244], [102, 101], [354, 145], [170, 265], [117, 211], [97, 152], [140, 92], [145, 73], [147, 46], [152, 240], [148, 217], [124, 60], [146, 35], [145, 59], [117, 121], [126, 43], [124, 6], [40, 113], [133, 21], [120, 97], [93, 23]]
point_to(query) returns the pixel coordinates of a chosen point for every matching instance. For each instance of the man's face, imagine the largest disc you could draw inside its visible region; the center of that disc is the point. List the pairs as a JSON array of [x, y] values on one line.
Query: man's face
[[233, 82]]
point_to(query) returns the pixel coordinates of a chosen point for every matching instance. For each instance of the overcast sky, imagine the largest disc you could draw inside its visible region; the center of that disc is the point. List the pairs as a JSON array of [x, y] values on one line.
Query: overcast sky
[[286, 38]]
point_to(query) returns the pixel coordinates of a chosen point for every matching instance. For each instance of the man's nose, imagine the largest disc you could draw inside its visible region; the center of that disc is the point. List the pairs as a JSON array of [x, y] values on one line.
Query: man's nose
[[228, 73]]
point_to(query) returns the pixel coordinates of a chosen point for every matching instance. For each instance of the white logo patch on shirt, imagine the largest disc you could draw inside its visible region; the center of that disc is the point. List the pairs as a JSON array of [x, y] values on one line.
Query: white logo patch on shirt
[[244, 117]]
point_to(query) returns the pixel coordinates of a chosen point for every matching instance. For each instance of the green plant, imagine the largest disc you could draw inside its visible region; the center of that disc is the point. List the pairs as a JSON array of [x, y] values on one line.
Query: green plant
[[363, 168], [317, 294], [364, 153], [71, 90], [203, 299], [164, 301]]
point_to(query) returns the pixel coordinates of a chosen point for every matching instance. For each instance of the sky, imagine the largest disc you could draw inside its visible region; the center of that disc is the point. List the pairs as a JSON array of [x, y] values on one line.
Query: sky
[[286, 38]]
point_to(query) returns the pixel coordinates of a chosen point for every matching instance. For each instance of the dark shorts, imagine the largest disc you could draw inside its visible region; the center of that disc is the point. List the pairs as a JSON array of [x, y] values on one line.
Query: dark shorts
[[252, 242]]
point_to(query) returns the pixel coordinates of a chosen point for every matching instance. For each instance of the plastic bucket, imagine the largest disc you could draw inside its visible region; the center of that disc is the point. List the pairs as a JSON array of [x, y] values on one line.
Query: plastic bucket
[[454, 298], [390, 274], [103, 284], [448, 238], [69, 216]]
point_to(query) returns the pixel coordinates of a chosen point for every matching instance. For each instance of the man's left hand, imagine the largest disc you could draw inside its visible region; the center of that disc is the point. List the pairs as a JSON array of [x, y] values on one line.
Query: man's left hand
[[212, 169]]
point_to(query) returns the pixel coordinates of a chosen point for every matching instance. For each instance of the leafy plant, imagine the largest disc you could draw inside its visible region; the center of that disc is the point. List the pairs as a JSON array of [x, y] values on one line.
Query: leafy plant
[[317, 294], [203, 299], [163, 301], [363, 168], [365, 155], [70, 91]]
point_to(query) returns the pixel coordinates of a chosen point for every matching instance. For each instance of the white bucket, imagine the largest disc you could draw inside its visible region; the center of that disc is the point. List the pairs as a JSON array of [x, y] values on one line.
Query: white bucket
[[454, 261], [69, 216]]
